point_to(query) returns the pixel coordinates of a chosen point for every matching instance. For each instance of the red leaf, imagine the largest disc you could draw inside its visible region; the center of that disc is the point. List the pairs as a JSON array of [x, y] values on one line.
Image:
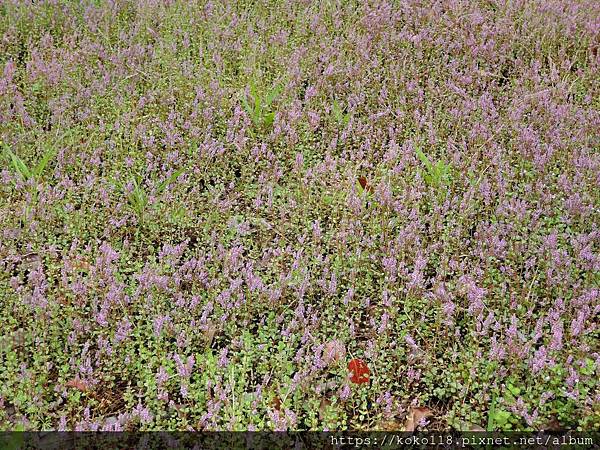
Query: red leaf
[[365, 185], [360, 371]]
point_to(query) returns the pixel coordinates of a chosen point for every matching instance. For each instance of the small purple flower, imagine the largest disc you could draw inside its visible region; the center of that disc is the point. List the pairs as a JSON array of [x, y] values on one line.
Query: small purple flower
[[123, 331], [143, 413], [184, 369], [345, 393], [161, 376], [223, 361]]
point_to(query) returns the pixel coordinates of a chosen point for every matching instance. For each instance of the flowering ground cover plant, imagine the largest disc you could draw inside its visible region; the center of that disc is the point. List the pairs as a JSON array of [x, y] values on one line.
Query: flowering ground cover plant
[[235, 215]]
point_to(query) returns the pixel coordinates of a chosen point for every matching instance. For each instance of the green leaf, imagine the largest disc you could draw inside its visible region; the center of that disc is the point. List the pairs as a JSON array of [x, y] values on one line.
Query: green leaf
[[501, 417], [269, 119], [161, 187], [337, 111], [48, 155], [253, 91], [491, 416], [255, 97], [437, 174], [257, 108], [138, 198], [514, 390], [424, 159], [260, 113], [497, 418], [273, 94], [18, 165], [247, 106]]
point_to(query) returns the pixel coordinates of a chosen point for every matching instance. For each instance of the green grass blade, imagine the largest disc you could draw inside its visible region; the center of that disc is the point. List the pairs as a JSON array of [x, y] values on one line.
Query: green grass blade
[[273, 94], [39, 169], [161, 187], [247, 106], [424, 159], [337, 111], [18, 165], [269, 119]]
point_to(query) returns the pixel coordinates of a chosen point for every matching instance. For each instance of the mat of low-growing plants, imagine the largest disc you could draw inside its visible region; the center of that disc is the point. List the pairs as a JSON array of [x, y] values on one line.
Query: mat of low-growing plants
[[255, 215]]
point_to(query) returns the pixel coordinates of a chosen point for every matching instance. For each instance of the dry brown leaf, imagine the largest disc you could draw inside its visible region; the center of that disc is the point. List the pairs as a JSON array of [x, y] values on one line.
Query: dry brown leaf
[[78, 384], [389, 425], [553, 425], [415, 415], [276, 403], [334, 351], [209, 333], [81, 263], [372, 312], [63, 300], [325, 403], [84, 265], [31, 261]]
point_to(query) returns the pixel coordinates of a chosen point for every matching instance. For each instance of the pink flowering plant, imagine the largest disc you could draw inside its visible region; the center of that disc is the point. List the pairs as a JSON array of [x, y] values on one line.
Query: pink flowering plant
[[231, 215]]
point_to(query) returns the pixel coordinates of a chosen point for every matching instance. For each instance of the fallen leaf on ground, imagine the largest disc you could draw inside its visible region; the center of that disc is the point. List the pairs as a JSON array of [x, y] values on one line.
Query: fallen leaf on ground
[[209, 333], [389, 425], [365, 185], [78, 384], [359, 371], [553, 425], [276, 403], [31, 261], [325, 404], [415, 415], [82, 264]]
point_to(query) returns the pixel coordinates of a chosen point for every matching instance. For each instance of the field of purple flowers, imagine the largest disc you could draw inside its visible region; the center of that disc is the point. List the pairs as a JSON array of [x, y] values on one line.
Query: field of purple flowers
[[214, 213]]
